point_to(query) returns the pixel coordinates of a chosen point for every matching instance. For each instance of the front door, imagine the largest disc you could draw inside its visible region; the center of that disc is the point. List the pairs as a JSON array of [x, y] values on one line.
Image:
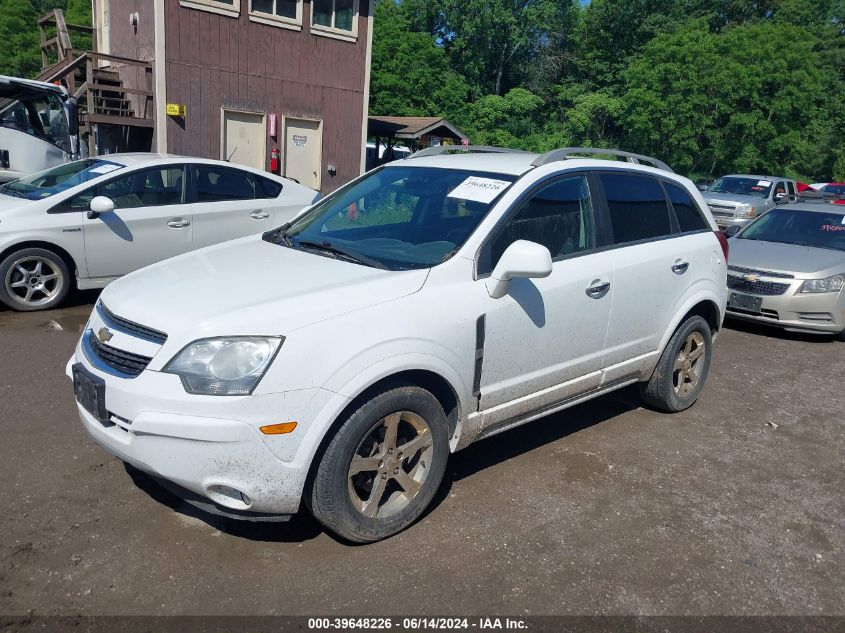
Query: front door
[[544, 339], [303, 151], [150, 222], [244, 138]]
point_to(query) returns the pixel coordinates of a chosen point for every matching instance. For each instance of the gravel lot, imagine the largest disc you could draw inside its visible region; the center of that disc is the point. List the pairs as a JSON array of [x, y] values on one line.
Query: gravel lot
[[733, 507]]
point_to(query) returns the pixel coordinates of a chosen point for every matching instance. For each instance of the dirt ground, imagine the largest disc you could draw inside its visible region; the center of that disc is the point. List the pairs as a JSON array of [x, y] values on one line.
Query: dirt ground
[[733, 507]]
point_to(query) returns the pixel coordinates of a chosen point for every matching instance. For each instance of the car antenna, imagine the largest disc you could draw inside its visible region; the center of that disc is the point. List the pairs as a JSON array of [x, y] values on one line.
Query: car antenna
[[229, 158]]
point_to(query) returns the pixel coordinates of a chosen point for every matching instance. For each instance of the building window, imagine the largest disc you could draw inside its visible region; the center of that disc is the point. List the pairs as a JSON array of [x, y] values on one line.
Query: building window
[[231, 8], [287, 13], [335, 17]]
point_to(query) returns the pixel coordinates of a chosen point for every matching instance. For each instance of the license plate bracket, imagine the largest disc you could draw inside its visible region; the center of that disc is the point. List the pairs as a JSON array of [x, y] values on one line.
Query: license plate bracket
[[90, 391], [747, 303]]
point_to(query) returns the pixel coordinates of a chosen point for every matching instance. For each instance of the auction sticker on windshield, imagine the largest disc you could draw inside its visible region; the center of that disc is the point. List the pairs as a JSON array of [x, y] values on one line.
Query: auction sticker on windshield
[[104, 169], [479, 189]]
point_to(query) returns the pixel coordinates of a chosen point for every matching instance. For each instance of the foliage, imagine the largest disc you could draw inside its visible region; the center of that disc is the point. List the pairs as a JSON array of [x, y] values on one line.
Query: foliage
[[710, 86], [21, 52]]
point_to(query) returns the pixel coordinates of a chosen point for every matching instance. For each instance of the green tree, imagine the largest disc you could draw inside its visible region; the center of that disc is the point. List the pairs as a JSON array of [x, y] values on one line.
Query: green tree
[[757, 97], [411, 75]]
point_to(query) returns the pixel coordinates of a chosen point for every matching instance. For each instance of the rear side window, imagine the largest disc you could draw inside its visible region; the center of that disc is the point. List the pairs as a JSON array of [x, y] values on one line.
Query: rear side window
[[637, 205], [215, 184], [268, 188], [688, 214]]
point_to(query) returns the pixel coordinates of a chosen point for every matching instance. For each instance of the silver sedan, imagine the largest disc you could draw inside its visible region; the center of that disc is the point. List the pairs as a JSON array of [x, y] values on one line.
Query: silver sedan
[[787, 268]]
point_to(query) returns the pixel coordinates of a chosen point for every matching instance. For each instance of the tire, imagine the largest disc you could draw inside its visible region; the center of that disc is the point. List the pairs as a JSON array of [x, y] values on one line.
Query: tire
[[373, 503], [840, 337], [33, 279], [682, 370]]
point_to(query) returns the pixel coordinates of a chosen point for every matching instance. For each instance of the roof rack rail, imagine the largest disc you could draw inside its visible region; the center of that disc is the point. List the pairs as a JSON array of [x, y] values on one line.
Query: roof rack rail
[[566, 152], [481, 149]]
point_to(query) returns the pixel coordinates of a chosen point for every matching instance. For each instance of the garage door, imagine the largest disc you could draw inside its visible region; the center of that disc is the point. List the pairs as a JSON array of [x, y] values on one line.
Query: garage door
[[303, 151], [244, 139]]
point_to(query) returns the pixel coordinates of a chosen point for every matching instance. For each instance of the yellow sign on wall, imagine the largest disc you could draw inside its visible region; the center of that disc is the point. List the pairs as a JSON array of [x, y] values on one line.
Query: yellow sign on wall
[[176, 109]]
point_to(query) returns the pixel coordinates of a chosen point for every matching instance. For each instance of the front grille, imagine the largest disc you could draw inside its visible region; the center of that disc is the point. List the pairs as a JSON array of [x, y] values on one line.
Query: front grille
[[760, 288], [130, 327], [124, 362], [761, 273], [722, 211]]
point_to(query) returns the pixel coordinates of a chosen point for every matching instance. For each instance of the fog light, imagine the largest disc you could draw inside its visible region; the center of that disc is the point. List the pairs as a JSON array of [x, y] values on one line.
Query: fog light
[[230, 493]]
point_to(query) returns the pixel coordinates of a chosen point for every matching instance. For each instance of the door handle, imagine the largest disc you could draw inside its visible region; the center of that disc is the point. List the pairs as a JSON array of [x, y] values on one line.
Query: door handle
[[258, 214], [178, 223], [680, 267], [598, 289]]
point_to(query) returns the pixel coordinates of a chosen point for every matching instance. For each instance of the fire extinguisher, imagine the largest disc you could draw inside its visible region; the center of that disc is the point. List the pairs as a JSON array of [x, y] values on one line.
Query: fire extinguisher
[[274, 160]]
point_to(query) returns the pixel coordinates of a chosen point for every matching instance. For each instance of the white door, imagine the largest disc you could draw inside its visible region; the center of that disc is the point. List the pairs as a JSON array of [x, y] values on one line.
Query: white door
[[150, 222], [650, 271], [228, 203], [244, 138], [104, 28], [303, 151], [544, 340]]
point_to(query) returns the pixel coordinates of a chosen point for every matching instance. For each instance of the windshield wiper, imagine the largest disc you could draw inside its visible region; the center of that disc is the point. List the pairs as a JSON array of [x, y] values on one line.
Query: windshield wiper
[[328, 247], [10, 192]]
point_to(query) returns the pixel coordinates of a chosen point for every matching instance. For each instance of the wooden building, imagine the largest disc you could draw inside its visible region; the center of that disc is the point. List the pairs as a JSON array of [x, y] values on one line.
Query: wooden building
[[234, 79]]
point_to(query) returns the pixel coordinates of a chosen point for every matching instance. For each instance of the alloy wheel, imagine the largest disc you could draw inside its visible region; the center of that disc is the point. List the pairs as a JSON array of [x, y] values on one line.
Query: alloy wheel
[[390, 465], [685, 377], [34, 281]]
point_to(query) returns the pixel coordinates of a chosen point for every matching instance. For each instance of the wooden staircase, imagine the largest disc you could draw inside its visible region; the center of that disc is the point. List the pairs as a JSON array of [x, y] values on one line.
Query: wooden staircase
[[97, 81]]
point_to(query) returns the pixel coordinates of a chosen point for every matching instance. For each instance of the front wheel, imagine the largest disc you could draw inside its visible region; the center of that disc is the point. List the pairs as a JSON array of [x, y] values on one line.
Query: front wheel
[[383, 467], [682, 369], [33, 279]]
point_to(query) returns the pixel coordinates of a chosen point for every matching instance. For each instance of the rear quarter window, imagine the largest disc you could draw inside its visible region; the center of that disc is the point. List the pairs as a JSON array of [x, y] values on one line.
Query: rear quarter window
[[637, 207], [268, 188], [687, 211]]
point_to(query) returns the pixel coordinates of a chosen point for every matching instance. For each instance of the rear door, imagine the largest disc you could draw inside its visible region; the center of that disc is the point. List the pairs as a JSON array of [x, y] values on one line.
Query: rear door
[[651, 270], [150, 222], [229, 203]]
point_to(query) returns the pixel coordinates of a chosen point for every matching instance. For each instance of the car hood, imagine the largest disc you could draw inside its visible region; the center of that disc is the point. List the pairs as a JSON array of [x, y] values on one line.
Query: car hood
[[786, 258], [250, 286], [735, 198]]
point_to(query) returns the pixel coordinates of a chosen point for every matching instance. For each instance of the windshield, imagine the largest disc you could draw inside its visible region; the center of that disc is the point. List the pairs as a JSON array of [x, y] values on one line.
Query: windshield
[[52, 181], [805, 228], [399, 217], [742, 185], [35, 112]]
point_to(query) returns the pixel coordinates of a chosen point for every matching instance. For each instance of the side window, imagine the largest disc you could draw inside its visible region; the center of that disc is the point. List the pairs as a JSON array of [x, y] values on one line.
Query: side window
[[268, 188], [780, 188], [215, 184], [153, 187], [559, 216], [638, 209], [688, 214], [79, 202]]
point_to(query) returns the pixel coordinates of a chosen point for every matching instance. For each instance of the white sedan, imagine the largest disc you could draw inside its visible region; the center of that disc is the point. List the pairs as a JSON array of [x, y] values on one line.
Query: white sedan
[[100, 218]]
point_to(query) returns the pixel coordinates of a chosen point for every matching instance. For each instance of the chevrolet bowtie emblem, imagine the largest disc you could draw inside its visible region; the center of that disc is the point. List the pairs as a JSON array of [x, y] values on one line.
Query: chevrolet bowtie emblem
[[751, 278], [104, 335]]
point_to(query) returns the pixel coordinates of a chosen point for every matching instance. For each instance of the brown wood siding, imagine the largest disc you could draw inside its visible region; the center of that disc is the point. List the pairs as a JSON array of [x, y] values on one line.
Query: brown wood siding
[[216, 62]]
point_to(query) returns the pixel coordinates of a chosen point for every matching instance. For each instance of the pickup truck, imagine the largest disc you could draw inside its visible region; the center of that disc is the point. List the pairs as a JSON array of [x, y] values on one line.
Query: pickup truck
[[736, 199]]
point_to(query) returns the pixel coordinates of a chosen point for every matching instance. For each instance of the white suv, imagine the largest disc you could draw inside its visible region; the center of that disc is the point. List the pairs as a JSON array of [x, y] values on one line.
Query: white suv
[[428, 304]]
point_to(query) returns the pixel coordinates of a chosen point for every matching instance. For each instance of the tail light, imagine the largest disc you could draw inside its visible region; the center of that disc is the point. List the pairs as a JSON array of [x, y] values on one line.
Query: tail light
[[723, 242]]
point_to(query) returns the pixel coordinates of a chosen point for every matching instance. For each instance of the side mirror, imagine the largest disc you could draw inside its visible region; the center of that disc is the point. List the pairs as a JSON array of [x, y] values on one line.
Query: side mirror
[[780, 198], [100, 204], [732, 230], [72, 113], [520, 259]]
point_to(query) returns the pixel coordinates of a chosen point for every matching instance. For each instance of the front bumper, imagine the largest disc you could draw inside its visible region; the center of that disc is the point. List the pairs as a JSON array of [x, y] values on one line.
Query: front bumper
[[822, 313], [724, 222], [209, 446]]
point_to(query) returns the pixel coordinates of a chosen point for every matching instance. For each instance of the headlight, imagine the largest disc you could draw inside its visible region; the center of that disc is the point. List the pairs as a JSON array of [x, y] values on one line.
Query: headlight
[[230, 366], [746, 211], [831, 284]]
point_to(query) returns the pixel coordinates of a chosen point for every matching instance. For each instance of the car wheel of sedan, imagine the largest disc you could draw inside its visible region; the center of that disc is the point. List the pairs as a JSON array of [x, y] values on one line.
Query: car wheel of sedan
[[33, 279], [383, 467], [682, 369]]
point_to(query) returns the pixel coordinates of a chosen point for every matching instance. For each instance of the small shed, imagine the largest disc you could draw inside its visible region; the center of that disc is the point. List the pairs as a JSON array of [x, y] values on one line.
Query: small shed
[[415, 132]]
